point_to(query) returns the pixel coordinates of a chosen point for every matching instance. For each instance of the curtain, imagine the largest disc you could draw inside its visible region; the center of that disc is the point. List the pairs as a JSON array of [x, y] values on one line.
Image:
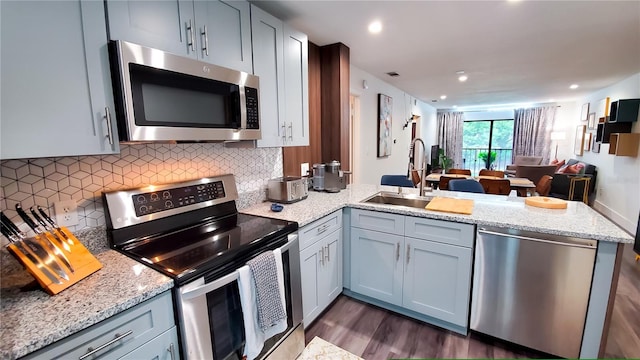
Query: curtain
[[532, 132], [450, 136]]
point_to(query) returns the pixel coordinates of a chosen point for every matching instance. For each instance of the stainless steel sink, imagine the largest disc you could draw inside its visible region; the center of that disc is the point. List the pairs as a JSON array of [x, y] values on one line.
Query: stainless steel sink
[[391, 198]]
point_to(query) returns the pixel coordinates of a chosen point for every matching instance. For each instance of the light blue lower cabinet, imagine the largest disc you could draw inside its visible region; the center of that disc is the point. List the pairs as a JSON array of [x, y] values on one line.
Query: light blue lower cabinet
[[376, 265], [437, 280], [163, 347], [427, 276]]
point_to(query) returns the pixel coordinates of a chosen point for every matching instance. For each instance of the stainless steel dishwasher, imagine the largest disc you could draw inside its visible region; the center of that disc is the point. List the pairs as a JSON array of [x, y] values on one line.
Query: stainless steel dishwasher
[[532, 289]]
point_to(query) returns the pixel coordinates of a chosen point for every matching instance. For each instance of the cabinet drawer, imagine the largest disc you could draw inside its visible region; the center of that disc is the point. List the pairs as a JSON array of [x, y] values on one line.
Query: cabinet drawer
[[163, 347], [378, 221], [134, 327], [445, 232], [315, 231]]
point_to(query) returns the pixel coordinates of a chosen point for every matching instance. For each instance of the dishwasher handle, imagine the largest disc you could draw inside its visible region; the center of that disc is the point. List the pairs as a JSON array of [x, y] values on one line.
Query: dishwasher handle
[[580, 243]]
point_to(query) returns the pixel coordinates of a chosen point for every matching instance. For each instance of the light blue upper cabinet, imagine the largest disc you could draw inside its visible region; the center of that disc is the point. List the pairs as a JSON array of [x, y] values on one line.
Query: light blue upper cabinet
[[161, 24], [267, 46], [56, 90], [223, 30], [218, 32], [296, 75]]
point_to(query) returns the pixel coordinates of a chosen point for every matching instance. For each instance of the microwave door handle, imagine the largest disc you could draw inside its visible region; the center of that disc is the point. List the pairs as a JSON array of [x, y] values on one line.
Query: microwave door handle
[[205, 47], [209, 287]]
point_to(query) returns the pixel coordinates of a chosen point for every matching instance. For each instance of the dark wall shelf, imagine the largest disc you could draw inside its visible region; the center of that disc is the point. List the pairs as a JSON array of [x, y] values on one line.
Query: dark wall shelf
[[624, 111], [605, 130]]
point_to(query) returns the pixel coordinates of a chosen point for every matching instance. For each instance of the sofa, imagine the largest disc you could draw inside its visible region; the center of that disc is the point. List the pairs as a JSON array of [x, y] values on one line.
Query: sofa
[[535, 172], [561, 182], [522, 160]]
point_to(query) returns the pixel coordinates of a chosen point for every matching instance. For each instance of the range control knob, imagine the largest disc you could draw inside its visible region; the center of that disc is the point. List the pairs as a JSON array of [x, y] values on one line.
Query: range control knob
[[168, 204]]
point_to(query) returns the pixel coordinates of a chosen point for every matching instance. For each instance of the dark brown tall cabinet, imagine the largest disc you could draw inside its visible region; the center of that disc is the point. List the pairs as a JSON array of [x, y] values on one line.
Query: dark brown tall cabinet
[[329, 128]]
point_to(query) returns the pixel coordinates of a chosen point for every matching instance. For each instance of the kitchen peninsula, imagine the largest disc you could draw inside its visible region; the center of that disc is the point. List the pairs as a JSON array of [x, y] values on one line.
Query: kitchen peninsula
[[578, 220]]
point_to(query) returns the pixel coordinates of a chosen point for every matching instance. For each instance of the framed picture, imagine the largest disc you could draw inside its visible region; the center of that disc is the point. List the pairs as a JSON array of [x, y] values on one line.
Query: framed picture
[[385, 110], [585, 112], [587, 142], [591, 121], [579, 144], [596, 146]]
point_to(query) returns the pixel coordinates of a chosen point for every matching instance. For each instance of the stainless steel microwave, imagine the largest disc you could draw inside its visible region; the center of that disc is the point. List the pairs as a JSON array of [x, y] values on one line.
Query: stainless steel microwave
[[165, 97]]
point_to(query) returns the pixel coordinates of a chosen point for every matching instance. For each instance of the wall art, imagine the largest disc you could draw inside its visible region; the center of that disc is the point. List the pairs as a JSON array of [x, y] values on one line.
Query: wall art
[[385, 121]]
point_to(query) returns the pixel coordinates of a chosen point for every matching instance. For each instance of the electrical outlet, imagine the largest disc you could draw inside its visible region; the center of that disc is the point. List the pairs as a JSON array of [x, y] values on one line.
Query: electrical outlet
[[304, 169], [66, 212]]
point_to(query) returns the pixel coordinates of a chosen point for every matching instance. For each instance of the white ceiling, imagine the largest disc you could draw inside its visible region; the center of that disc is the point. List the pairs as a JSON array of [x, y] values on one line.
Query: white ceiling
[[513, 52]]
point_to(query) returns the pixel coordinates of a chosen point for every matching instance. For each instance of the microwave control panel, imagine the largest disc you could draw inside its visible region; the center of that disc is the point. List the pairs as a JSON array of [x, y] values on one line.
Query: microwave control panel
[[153, 202], [251, 97]]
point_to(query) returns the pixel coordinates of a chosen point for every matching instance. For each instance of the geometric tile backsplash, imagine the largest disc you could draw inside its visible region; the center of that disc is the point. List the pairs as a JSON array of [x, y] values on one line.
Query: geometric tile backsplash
[[43, 181]]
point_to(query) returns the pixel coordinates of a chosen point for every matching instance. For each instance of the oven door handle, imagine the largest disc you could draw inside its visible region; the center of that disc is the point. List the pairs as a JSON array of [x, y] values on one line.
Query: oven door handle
[[209, 287], [227, 279]]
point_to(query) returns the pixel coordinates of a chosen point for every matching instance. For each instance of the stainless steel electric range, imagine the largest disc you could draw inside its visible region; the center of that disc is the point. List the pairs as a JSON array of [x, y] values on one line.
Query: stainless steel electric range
[[192, 232]]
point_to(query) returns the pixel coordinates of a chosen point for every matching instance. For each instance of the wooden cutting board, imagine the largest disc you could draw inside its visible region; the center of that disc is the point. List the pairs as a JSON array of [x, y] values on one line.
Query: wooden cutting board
[[456, 206], [546, 202]]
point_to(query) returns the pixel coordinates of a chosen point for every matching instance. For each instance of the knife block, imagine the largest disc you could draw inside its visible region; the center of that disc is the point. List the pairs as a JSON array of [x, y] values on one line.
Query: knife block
[[82, 261]]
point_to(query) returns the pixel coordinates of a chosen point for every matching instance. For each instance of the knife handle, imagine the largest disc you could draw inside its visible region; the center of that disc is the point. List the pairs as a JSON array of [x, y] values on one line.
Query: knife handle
[[27, 219], [39, 220], [47, 217], [8, 223]]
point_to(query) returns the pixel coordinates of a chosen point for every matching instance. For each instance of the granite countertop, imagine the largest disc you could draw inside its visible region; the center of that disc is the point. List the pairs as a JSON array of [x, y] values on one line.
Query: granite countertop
[[577, 220], [31, 319]]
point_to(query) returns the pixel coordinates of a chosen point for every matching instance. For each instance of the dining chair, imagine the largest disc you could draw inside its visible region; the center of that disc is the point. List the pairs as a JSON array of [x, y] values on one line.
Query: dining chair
[[496, 186], [396, 180], [466, 185], [496, 173], [544, 185], [459, 171], [443, 184]]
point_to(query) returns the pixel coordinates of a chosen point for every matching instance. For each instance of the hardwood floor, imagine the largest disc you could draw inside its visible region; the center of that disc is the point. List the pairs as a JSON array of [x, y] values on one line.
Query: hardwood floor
[[374, 333]]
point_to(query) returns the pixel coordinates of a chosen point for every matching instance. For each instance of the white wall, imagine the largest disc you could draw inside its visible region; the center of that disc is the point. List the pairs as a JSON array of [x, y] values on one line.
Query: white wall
[[370, 167], [618, 183]]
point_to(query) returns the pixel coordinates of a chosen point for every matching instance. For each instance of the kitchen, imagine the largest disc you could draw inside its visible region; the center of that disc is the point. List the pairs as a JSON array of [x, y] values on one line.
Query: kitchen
[[83, 178]]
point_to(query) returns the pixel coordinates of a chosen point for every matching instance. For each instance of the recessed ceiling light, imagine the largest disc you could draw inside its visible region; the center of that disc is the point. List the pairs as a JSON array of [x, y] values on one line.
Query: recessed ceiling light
[[573, 86], [375, 27], [442, 97], [462, 78]]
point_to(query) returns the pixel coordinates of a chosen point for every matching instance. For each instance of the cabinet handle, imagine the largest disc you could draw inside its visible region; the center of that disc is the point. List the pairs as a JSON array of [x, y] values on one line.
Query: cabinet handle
[[397, 252], [205, 48], [91, 351], [190, 39], [322, 256], [171, 351], [107, 115], [328, 254], [284, 133], [322, 228], [408, 253], [291, 131]]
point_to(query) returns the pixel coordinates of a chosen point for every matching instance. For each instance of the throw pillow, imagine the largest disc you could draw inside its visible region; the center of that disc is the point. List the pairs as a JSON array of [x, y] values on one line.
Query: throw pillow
[[575, 169], [557, 163], [563, 169]]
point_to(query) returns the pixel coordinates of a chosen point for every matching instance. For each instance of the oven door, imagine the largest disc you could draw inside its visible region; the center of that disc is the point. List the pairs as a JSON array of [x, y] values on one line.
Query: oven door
[[210, 314]]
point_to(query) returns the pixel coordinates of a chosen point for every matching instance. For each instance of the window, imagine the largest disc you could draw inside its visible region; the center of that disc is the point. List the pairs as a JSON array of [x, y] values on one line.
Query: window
[[487, 144]]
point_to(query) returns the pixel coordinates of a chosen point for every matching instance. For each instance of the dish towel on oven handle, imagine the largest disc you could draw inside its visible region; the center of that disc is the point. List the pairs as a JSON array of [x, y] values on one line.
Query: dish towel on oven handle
[[255, 336]]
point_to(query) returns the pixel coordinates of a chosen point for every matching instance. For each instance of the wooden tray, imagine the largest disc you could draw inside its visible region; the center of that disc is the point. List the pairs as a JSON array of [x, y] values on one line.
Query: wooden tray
[[546, 202], [82, 261], [456, 206]]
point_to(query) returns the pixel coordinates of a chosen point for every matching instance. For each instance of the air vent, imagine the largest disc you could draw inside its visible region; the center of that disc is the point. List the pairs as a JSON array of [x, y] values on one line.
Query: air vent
[[434, 100], [393, 74]]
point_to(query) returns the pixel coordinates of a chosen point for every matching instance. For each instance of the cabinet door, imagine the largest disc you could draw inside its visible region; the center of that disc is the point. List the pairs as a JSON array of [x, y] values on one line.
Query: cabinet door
[[268, 64], [163, 347], [56, 85], [159, 24], [311, 260], [331, 279], [437, 280], [296, 75], [223, 30], [376, 265]]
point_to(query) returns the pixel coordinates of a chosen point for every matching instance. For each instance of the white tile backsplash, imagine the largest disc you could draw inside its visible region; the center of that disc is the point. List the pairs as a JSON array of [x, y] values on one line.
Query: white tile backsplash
[[44, 181]]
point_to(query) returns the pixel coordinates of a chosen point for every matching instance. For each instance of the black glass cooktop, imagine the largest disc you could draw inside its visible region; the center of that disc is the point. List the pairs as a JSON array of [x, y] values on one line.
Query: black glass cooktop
[[210, 247]]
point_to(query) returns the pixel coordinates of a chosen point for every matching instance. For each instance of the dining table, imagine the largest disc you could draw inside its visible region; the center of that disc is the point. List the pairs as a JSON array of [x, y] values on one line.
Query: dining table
[[522, 186]]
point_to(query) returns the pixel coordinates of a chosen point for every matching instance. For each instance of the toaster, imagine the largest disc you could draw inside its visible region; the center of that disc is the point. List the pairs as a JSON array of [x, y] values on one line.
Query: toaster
[[288, 189]]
